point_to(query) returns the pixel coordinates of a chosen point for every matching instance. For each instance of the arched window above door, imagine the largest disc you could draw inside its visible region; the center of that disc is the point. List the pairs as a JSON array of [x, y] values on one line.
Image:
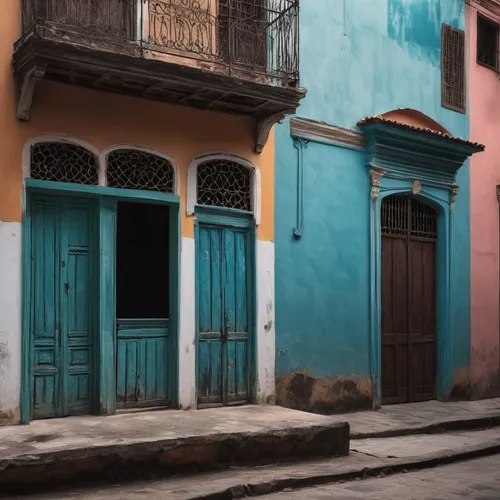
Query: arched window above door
[[224, 180], [139, 169], [224, 183], [63, 162]]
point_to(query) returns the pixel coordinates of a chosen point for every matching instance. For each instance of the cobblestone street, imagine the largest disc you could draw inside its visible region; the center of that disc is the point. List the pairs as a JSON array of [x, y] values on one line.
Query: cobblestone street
[[476, 480]]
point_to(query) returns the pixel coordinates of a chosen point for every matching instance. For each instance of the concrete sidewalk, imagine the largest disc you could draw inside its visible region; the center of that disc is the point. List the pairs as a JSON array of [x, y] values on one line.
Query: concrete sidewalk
[[372, 457], [161, 443], [431, 416], [154, 444]]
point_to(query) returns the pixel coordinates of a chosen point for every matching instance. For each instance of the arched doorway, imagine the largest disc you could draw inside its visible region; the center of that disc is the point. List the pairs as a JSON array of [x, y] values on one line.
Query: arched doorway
[[409, 234]]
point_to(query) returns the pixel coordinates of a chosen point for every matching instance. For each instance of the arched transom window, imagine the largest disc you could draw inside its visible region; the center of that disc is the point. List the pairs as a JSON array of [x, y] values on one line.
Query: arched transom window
[[63, 162], [224, 183], [136, 169]]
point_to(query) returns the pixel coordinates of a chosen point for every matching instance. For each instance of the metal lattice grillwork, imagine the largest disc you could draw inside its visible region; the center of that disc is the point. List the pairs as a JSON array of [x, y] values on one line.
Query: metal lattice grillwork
[[487, 42], [453, 68], [397, 212], [99, 18], [62, 162], [394, 215], [224, 183], [423, 220], [133, 169], [259, 35]]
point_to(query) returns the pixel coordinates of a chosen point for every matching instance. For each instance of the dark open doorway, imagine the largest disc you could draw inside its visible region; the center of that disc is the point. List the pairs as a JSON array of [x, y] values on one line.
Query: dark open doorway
[[142, 304]]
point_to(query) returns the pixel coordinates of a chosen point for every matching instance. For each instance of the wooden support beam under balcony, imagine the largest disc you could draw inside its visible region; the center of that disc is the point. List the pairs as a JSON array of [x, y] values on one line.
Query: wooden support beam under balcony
[[233, 56]]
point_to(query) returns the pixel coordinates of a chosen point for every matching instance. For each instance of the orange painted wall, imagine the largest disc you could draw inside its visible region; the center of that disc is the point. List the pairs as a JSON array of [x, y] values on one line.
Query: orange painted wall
[[105, 119]]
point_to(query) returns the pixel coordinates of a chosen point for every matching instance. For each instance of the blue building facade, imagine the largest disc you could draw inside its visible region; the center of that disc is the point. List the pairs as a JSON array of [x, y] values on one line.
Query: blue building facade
[[383, 59]]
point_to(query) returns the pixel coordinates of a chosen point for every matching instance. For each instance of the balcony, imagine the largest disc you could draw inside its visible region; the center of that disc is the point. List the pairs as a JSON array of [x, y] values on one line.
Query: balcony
[[234, 56]]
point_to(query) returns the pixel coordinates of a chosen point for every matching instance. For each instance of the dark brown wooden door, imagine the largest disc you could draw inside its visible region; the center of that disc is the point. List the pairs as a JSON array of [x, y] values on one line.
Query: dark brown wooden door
[[409, 230]]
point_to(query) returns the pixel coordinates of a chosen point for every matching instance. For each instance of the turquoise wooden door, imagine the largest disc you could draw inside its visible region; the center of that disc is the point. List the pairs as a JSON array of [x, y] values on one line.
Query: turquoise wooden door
[[223, 316], [141, 364], [63, 301]]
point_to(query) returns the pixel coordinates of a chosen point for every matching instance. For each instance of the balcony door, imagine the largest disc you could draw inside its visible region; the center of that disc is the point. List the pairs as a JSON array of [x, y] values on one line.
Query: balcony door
[[242, 32]]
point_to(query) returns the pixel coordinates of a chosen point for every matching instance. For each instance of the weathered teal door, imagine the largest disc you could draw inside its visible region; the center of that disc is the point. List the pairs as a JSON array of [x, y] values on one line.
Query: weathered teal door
[[223, 315], [63, 298]]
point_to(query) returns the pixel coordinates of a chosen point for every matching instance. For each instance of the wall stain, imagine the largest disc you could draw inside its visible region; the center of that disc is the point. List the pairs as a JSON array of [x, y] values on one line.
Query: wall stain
[[461, 385], [324, 395], [403, 18], [10, 417], [487, 387], [4, 352], [485, 373]]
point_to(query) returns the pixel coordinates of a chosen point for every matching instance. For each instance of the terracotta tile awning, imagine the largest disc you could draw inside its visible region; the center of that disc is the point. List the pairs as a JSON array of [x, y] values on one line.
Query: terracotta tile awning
[[424, 131]]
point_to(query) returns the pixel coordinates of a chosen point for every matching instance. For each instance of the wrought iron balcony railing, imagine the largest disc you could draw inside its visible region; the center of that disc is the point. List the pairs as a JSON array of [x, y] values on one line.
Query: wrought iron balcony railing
[[258, 37]]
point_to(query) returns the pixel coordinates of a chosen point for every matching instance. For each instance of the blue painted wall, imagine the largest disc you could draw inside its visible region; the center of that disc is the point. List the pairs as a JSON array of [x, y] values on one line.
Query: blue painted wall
[[358, 58]]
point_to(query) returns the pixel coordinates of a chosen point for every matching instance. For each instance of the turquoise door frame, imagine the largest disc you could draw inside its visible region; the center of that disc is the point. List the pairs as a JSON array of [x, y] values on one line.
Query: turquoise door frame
[[439, 200], [224, 218], [107, 199]]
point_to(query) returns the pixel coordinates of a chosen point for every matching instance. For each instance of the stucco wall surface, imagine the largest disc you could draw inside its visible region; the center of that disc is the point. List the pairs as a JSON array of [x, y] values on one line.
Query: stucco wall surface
[[361, 58], [104, 120], [484, 88]]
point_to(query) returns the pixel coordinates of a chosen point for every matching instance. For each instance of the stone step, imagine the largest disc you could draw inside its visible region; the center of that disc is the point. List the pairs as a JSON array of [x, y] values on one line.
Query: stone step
[[368, 458], [436, 426], [423, 418], [157, 444]]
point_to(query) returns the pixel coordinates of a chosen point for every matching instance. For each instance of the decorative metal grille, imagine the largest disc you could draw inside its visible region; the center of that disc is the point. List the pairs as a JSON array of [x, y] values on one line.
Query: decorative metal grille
[[134, 169], [453, 68], [423, 220], [241, 31], [224, 183], [487, 42], [394, 215], [260, 35], [99, 18], [62, 162], [399, 211]]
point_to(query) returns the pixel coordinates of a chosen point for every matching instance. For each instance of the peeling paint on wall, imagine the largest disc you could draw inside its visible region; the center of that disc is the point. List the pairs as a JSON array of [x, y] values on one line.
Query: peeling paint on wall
[[324, 395], [416, 26]]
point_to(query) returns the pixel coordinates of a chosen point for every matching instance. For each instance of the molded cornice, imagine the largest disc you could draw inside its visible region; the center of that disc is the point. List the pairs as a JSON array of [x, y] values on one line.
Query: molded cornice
[[407, 152], [312, 130]]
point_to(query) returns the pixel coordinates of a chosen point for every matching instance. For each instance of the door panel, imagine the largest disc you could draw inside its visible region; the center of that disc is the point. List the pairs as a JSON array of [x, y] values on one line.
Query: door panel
[[77, 285], [62, 309], [223, 300], [409, 231], [236, 293], [141, 362], [394, 320], [45, 309], [422, 324], [210, 316]]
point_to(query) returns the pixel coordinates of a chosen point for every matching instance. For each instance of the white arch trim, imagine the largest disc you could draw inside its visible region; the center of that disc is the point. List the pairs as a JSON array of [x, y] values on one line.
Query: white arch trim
[[103, 158], [192, 185], [44, 138]]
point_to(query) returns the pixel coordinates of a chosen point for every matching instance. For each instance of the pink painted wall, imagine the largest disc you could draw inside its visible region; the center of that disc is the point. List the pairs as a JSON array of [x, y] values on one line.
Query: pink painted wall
[[484, 108]]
